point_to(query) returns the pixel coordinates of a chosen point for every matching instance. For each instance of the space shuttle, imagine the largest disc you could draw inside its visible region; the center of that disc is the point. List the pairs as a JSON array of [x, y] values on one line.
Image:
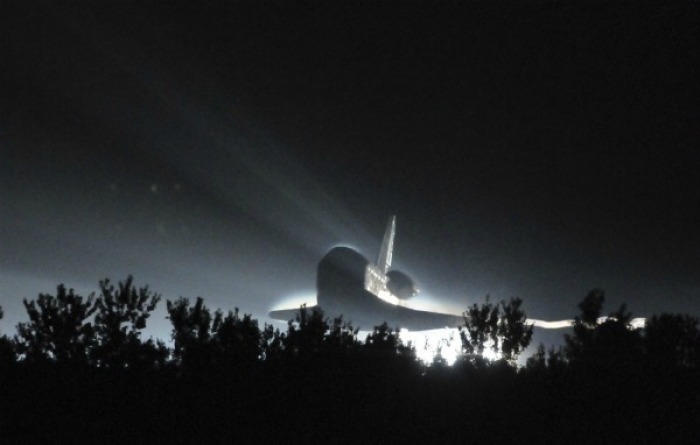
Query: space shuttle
[[368, 294]]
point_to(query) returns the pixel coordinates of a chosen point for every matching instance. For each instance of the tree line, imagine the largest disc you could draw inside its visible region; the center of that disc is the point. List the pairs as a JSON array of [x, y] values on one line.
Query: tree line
[[105, 330], [81, 367]]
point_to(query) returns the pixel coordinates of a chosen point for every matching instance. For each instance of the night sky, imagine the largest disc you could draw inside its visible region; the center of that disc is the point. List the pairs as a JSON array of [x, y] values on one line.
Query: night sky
[[537, 149]]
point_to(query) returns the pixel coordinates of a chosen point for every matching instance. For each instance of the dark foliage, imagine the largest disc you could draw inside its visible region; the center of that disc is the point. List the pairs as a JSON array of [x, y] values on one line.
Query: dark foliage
[[192, 333], [306, 335], [673, 340], [515, 334], [237, 341], [502, 327], [119, 320], [79, 369], [7, 350], [603, 346], [59, 328], [480, 327]]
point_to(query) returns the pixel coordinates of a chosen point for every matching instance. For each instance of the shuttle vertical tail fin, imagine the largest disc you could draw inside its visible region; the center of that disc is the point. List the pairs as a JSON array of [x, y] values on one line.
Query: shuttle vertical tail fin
[[384, 260]]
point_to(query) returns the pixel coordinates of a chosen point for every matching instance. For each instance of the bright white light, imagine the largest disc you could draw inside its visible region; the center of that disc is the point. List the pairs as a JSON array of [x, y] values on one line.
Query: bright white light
[[638, 323], [448, 343], [635, 323], [559, 324], [389, 297], [295, 301], [489, 353], [428, 343]]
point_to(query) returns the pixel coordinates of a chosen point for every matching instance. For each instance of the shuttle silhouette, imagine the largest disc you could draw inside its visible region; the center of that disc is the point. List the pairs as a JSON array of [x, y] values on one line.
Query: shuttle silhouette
[[369, 294]]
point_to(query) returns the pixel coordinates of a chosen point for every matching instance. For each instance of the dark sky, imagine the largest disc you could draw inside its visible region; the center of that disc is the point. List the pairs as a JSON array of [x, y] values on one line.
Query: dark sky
[[528, 148]]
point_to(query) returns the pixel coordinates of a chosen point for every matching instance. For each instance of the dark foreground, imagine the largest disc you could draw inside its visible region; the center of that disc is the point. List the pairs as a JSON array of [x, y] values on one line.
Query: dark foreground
[[80, 371], [363, 401]]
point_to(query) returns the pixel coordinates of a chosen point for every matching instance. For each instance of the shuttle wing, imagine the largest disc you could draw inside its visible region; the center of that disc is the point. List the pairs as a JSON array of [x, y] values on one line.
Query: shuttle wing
[[289, 314], [380, 312]]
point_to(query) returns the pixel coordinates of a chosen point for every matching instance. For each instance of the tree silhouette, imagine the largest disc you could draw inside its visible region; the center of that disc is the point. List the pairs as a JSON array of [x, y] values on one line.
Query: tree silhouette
[[311, 335], [341, 340], [584, 325], [191, 334], [306, 334], [237, 341], [383, 340], [272, 341], [556, 361], [317, 368], [610, 345], [120, 317], [7, 350], [501, 327], [546, 361], [515, 335], [384, 344], [480, 328], [673, 340], [537, 362], [58, 329]]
